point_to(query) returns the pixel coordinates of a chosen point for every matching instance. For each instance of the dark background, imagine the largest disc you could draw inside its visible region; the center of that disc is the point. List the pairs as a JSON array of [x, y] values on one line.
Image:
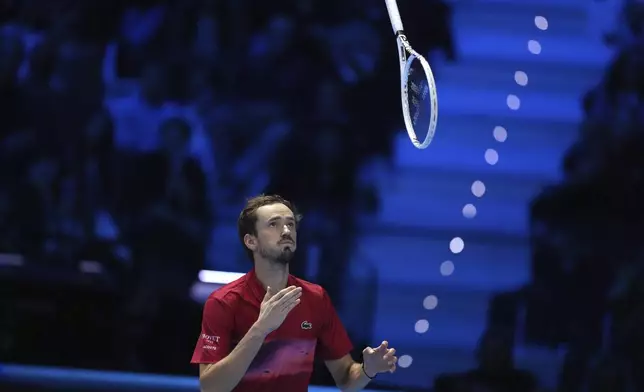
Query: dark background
[[131, 133]]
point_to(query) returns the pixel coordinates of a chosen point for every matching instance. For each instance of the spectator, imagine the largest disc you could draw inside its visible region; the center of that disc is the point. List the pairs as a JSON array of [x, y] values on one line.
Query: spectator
[[11, 56], [495, 372], [175, 213], [137, 118], [608, 375], [330, 169], [100, 189], [13, 135], [34, 213], [591, 221], [170, 234], [139, 34]]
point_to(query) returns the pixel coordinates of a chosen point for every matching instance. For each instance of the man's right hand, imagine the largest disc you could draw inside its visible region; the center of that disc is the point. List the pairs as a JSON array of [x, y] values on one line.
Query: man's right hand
[[275, 307]]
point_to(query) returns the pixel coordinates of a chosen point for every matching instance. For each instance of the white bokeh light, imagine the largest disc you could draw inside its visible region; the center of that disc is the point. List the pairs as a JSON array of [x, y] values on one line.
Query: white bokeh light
[[447, 268], [541, 22], [521, 78], [500, 134], [534, 47], [491, 156], [469, 211], [430, 302], [421, 326], [513, 102], [478, 188], [456, 245], [405, 361]]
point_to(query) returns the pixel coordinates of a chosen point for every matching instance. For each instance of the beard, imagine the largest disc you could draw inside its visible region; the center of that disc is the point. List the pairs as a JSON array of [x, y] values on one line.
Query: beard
[[278, 255]]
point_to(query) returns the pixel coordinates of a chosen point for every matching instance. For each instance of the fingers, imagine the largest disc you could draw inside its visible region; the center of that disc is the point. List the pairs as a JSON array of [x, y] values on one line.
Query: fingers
[[269, 293], [390, 359], [380, 349], [383, 346], [280, 294], [291, 305], [389, 354], [382, 357], [288, 296], [289, 300], [285, 300]]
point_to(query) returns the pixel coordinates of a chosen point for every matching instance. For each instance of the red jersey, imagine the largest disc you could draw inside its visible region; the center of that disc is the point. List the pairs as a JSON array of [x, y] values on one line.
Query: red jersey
[[285, 361]]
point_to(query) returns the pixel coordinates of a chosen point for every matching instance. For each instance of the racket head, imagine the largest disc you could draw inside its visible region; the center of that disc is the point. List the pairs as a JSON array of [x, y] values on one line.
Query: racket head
[[419, 97]]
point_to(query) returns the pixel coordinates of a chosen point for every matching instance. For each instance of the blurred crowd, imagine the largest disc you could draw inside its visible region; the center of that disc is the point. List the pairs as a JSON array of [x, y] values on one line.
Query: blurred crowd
[[131, 130], [588, 257]]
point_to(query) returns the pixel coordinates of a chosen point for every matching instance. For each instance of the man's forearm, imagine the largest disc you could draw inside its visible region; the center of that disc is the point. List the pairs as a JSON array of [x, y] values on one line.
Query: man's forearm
[[227, 373], [356, 379]]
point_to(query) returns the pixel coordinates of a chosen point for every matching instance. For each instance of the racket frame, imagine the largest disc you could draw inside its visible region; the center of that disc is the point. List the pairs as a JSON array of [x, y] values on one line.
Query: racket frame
[[407, 55]]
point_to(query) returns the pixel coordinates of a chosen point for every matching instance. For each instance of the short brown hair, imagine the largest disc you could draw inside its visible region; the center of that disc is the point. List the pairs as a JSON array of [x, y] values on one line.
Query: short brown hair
[[247, 221]]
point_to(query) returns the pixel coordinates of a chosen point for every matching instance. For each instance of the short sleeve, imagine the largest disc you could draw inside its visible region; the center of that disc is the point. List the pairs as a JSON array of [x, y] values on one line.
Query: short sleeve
[[216, 332], [333, 340]]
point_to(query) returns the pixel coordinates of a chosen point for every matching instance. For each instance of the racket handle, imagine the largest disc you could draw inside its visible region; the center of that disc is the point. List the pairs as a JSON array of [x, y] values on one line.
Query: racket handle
[[394, 16]]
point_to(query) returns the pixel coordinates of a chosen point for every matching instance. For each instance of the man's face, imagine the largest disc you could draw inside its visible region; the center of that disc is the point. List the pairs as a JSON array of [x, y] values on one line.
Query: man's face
[[276, 238]]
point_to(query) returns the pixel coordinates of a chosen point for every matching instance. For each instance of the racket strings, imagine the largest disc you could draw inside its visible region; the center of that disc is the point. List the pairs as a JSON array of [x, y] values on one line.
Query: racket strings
[[418, 93], [418, 96]]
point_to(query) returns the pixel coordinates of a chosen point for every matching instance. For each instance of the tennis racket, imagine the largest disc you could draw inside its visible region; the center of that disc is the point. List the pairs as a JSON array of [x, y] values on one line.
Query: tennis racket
[[417, 86]]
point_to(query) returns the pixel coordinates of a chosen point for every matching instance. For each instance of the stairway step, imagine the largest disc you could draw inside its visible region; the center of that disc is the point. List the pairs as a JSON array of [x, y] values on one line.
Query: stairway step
[[457, 99], [457, 321], [467, 118], [482, 73], [435, 199], [414, 255], [461, 141], [535, 4], [563, 17], [570, 51]]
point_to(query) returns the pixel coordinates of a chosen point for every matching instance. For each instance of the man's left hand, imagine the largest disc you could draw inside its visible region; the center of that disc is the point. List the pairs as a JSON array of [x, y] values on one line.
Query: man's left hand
[[379, 360]]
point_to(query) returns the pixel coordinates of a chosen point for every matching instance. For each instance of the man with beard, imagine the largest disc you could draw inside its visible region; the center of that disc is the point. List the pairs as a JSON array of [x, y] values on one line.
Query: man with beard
[[262, 331]]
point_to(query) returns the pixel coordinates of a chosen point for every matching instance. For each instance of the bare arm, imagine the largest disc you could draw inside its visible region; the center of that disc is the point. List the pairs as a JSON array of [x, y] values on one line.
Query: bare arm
[[224, 375], [348, 375]]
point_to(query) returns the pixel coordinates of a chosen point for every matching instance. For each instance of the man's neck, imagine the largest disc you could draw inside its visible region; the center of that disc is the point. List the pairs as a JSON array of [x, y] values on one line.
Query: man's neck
[[271, 274]]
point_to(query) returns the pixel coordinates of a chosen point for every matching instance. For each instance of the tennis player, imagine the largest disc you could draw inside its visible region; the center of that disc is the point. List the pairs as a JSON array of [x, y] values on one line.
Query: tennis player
[[262, 331]]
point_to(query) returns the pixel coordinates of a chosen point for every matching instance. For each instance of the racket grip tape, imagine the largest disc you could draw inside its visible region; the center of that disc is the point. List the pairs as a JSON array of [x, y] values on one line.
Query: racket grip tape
[[394, 17]]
